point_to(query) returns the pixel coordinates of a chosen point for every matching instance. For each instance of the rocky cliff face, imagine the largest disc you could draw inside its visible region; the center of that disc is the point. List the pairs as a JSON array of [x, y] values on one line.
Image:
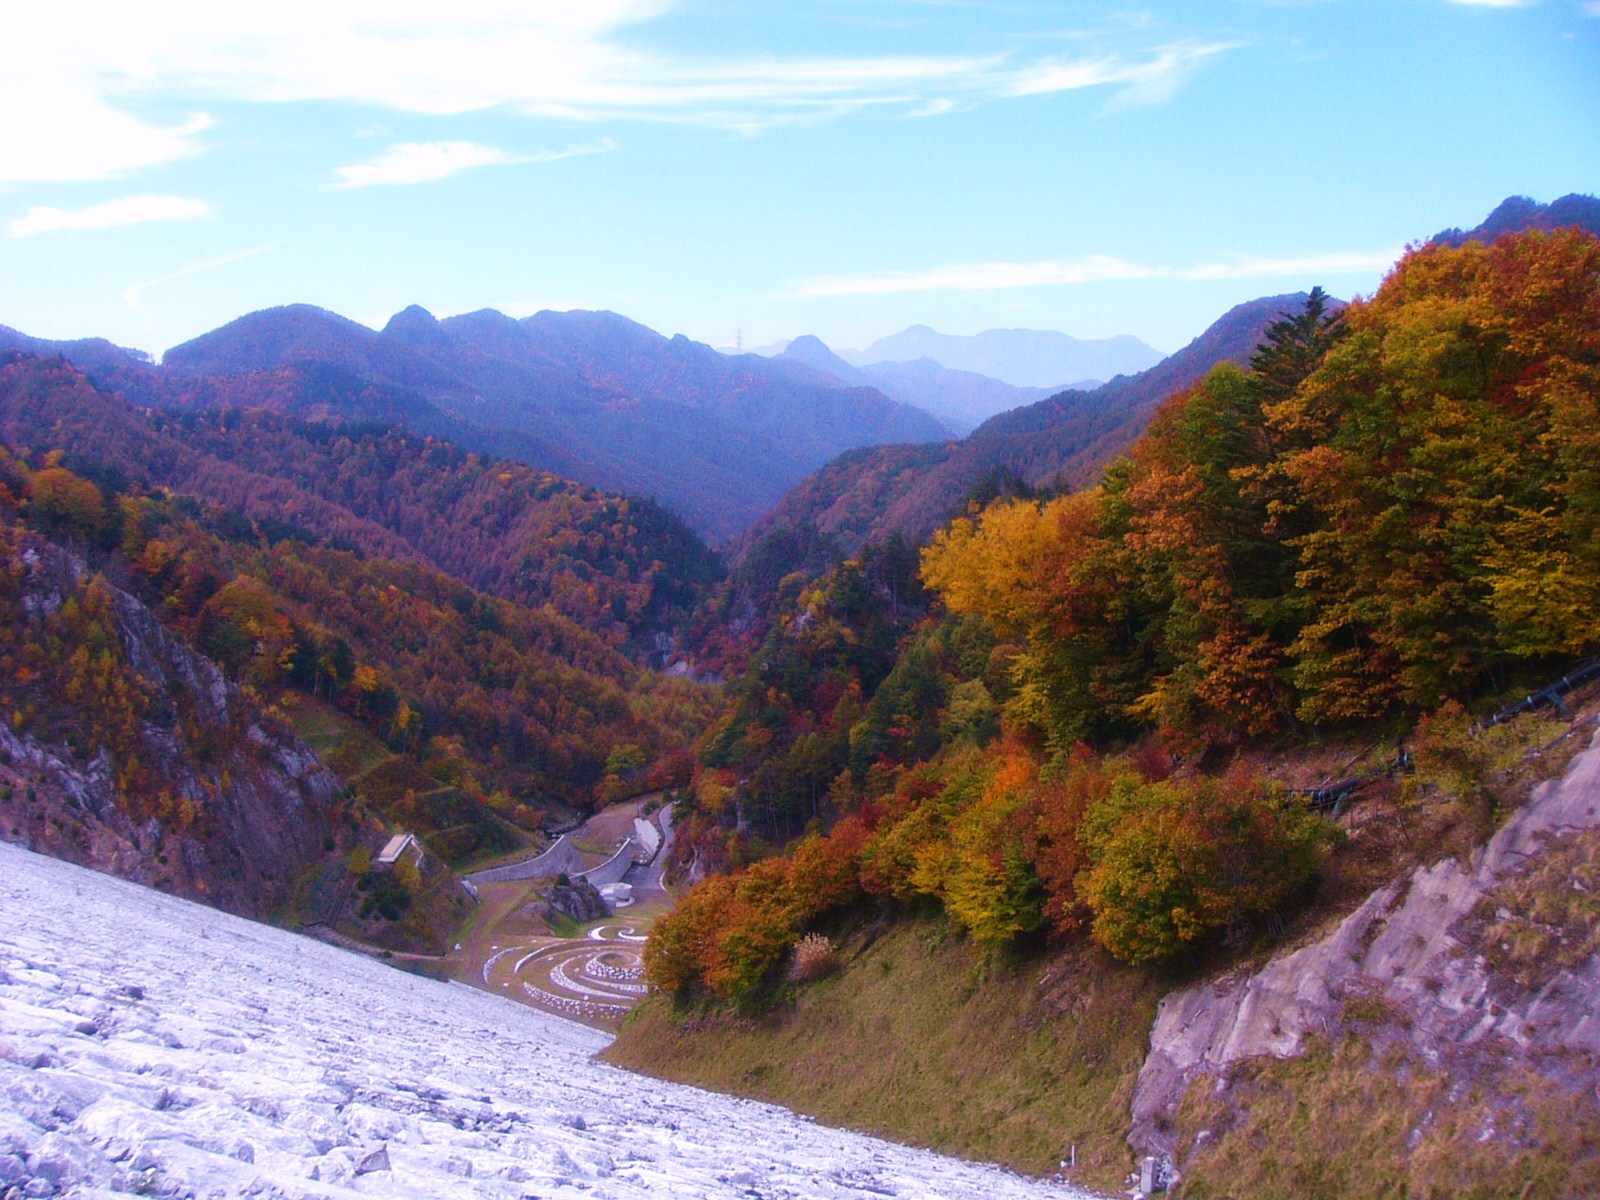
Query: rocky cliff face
[[1484, 972], [203, 796]]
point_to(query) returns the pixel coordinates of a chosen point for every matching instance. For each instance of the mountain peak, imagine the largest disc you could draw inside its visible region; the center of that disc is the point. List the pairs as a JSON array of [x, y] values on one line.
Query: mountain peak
[[415, 326], [1516, 213], [268, 338], [412, 315], [815, 353]]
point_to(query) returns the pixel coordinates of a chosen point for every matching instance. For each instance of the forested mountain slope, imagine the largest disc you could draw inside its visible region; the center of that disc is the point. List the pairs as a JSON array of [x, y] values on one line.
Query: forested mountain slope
[[865, 495], [624, 568], [124, 750], [590, 396], [1104, 725], [493, 710]]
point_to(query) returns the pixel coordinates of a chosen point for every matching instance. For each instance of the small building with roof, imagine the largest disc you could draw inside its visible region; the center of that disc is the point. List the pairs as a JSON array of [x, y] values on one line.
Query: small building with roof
[[400, 843]]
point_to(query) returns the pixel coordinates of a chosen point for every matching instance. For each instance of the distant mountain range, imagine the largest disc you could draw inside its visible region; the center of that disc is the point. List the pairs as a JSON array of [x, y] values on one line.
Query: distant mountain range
[[600, 399], [591, 396], [964, 381], [1021, 357], [963, 400], [866, 495]]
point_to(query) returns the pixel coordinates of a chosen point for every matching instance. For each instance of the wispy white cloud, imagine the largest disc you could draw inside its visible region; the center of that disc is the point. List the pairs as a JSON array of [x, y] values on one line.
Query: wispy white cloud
[[57, 132], [996, 276], [128, 210], [428, 162], [134, 296], [1154, 79], [1341, 262], [87, 63]]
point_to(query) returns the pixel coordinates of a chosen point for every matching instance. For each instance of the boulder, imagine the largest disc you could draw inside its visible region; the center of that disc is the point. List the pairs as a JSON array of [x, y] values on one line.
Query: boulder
[[578, 899]]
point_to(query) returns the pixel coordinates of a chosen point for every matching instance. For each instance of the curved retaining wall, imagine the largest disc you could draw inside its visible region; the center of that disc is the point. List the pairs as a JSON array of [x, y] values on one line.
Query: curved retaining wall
[[562, 857], [648, 837], [613, 869]]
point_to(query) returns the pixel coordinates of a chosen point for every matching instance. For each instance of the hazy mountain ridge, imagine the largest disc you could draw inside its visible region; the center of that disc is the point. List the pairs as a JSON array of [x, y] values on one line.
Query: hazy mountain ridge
[[961, 399], [1020, 357], [591, 395], [1519, 212], [866, 495]]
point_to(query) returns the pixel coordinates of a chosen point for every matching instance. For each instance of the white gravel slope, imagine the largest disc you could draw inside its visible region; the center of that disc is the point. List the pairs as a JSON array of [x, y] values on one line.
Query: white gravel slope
[[151, 1046]]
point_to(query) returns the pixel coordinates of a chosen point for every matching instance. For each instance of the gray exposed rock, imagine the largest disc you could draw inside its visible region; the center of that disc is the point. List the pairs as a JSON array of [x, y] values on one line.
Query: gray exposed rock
[[376, 1159], [579, 899], [260, 808], [1407, 946]]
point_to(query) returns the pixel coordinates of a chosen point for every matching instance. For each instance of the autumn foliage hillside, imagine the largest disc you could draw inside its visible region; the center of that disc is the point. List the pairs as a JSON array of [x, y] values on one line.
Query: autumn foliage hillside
[[624, 568], [495, 710], [1395, 510]]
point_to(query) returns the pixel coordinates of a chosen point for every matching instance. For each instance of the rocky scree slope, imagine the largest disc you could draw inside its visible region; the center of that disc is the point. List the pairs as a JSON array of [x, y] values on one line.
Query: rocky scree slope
[[242, 805], [149, 1046]]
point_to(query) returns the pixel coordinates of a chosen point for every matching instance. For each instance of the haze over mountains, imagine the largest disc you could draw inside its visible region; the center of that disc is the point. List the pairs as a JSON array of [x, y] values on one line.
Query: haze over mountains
[[591, 396], [601, 399], [966, 380], [866, 495], [1020, 357], [963, 400]]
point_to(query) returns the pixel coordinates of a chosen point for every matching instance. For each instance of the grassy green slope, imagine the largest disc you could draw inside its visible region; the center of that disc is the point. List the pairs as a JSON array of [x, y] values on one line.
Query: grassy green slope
[[917, 1040]]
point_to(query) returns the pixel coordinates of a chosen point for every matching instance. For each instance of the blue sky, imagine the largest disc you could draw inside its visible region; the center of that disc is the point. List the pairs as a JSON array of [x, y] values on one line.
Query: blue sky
[[840, 167]]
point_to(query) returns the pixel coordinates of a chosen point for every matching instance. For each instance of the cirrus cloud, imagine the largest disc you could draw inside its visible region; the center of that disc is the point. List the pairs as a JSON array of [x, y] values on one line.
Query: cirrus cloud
[[128, 210], [91, 67], [429, 162]]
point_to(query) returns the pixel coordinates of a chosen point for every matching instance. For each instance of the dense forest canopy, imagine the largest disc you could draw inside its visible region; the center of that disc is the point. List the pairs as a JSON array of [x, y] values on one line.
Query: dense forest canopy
[[1395, 508], [1387, 510], [623, 567]]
